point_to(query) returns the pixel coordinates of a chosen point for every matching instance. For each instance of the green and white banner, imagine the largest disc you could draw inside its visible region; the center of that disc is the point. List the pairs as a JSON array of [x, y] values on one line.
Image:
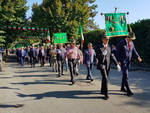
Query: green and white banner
[[60, 38], [116, 24]]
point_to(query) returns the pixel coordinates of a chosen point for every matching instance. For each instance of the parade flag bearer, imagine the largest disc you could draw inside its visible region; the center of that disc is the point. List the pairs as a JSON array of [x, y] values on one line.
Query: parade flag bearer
[[125, 51]]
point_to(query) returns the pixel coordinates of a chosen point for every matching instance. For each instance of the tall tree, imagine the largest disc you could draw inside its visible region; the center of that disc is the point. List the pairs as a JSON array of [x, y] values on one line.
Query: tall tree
[[64, 15], [12, 12]]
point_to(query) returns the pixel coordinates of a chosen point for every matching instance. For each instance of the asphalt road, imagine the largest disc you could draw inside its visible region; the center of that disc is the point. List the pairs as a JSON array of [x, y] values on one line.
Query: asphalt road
[[38, 90]]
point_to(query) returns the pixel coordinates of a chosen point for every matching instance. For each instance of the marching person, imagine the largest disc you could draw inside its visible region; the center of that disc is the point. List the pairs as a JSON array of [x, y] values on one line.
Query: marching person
[[33, 55], [54, 58], [61, 56], [79, 60], [37, 52], [125, 51], [17, 55], [66, 60], [72, 55], [49, 55], [42, 56], [27, 56], [22, 56], [104, 56], [89, 58]]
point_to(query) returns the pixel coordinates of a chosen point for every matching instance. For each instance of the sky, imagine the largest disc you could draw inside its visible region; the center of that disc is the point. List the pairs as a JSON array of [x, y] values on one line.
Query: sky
[[138, 9]]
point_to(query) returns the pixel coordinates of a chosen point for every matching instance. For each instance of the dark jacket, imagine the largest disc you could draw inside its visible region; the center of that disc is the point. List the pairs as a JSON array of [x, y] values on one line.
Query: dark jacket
[[40, 53], [22, 53], [61, 54], [104, 60], [124, 55], [89, 58], [33, 52]]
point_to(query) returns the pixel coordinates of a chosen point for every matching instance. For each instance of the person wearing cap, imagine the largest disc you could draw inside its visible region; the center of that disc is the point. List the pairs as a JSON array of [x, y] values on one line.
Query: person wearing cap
[[125, 51], [61, 56], [104, 55], [72, 55], [88, 60]]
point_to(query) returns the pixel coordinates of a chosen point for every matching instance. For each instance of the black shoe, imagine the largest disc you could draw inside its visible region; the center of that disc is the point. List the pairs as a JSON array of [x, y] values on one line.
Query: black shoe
[[62, 74], [92, 80], [73, 82], [87, 78], [130, 94], [59, 75], [77, 74], [106, 97], [123, 90]]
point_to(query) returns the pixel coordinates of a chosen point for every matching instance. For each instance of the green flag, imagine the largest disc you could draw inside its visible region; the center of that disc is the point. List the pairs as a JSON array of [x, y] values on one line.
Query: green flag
[[48, 37], [60, 38], [116, 24], [80, 32]]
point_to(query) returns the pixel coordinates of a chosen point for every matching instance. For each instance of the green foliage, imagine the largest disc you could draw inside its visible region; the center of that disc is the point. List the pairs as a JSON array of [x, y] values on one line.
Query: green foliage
[[64, 15], [93, 36], [2, 38], [142, 42], [12, 12]]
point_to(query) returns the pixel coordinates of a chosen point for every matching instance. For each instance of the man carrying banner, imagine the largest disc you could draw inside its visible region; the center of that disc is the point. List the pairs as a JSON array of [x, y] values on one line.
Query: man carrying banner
[[125, 51]]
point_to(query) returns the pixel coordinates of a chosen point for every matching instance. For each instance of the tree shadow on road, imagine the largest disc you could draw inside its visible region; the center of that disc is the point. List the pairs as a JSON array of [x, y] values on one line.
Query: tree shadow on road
[[11, 106], [56, 82], [138, 81], [9, 88], [35, 71], [44, 75], [64, 94]]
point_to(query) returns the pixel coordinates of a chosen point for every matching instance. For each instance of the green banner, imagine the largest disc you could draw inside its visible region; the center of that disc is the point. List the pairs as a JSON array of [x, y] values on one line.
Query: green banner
[[60, 38], [116, 24]]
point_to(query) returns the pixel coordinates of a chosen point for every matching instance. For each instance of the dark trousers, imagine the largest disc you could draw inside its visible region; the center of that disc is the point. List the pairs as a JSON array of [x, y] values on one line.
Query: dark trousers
[[27, 60], [89, 69], [72, 68], [22, 60], [18, 59], [32, 61], [42, 61], [49, 58], [125, 70], [54, 65], [60, 67], [104, 84]]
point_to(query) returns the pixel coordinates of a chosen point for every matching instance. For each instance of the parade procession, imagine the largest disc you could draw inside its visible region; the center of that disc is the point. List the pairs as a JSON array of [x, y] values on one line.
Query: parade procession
[[60, 56]]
